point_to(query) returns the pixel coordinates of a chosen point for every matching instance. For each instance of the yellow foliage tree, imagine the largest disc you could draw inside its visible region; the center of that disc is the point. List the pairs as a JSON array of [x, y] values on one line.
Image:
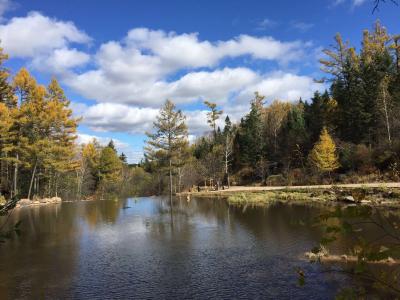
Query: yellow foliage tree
[[323, 156]]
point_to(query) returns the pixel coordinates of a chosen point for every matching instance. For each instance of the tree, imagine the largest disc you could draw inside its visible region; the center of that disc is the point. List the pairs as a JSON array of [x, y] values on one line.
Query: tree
[[170, 136], [112, 145], [250, 139], [323, 156], [123, 158], [228, 134], [213, 115], [275, 116], [109, 167]]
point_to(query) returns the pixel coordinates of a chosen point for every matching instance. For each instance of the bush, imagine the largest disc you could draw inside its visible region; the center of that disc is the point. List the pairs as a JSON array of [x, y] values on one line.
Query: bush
[[296, 177], [275, 180]]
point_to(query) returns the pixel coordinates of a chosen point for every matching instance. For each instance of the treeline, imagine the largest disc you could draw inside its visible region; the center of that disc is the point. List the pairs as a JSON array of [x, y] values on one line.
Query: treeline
[[349, 133], [39, 155]]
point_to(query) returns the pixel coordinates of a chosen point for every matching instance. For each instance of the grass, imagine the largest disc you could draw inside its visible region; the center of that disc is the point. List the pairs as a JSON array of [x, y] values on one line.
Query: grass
[[262, 198]]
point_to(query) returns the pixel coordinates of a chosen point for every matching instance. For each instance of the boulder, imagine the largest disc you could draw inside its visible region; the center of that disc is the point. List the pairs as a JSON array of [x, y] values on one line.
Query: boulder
[[45, 200], [24, 202], [55, 200]]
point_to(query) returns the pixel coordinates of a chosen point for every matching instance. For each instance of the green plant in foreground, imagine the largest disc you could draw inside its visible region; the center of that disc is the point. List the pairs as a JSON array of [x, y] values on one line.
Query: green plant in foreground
[[350, 222]]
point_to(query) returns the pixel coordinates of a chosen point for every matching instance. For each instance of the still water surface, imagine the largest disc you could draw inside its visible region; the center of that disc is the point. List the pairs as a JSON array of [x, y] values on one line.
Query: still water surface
[[133, 248]]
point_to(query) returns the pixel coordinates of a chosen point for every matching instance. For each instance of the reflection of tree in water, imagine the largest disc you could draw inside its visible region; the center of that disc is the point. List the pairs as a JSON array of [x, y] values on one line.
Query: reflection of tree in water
[[102, 211], [43, 257]]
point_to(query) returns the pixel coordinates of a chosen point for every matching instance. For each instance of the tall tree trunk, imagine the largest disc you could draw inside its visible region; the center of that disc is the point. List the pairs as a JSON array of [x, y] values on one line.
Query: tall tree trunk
[[170, 181], [385, 109], [33, 176], [16, 174], [179, 179]]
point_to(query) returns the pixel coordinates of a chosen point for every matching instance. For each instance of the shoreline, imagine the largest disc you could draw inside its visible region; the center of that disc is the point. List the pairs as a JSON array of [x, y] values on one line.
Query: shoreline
[[378, 194], [236, 189], [38, 202]]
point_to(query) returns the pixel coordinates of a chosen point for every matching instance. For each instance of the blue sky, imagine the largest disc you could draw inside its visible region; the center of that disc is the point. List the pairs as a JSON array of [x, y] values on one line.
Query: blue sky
[[119, 60]]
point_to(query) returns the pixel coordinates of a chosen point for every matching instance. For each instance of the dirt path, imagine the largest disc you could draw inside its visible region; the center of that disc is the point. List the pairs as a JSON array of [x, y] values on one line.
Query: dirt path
[[305, 187]]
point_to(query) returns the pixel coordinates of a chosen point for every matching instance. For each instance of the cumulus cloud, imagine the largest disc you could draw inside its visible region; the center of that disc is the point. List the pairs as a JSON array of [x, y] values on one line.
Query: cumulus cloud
[[214, 85], [130, 79], [36, 35], [117, 117], [283, 86], [60, 61], [139, 69], [186, 50], [112, 117], [132, 119]]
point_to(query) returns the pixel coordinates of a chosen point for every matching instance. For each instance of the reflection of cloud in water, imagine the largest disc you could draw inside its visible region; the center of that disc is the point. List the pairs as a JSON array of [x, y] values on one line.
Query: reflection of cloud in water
[[105, 235]]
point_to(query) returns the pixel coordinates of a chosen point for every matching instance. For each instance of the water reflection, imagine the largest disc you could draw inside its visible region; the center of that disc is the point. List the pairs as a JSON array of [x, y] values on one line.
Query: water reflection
[[133, 248]]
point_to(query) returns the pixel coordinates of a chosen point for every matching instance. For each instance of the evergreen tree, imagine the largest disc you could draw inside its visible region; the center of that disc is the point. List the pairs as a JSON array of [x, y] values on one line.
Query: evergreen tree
[[213, 115], [109, 166], [112, 145], [250, 138], [123, 158], [170, 136]]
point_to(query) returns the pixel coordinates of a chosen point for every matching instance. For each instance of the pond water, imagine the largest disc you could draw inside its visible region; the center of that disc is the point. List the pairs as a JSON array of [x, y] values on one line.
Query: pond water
[[135, 248]]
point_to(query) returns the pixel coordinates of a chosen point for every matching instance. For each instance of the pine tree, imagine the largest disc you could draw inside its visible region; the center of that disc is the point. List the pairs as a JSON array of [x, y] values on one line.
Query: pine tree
[[112, 145], [109, 166], [213, 115], [323, 156], [250, 139], [170, 136], [123, 158]]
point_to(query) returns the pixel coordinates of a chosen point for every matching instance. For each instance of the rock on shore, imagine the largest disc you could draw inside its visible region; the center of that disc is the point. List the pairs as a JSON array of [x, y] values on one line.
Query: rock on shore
[[27, 202]]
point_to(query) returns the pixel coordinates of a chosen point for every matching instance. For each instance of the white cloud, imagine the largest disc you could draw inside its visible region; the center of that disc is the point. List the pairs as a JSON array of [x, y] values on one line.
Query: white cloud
[[130, 79], [60, 61], [216, 86], [138, 70], [283, 86], [186, 50], [112, 117], [134, 155], [136, 120], [118, 117], [36, 34]]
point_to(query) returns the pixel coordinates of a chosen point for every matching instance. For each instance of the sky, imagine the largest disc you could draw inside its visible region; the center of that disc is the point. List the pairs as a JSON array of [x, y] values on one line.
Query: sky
[[118, 61]]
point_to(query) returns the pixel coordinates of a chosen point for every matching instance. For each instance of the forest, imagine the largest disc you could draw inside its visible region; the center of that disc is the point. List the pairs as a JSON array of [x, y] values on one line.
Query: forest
[[348, 133]]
